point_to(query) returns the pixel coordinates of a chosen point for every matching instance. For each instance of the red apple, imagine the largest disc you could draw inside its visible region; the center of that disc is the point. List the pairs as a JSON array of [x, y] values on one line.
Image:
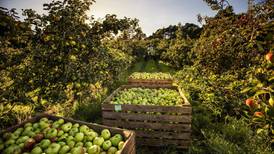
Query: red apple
[[250, 102], [38, 137], [269, 56], [258, 114]]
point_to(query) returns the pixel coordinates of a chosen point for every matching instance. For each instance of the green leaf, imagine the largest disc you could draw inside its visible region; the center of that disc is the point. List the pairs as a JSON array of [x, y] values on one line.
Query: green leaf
[[245, 90], [271, 102], [260, 130], [260, 92]]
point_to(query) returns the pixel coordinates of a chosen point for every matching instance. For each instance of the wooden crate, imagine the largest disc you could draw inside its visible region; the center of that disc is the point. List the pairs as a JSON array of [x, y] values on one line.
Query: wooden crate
[[149, 82], [171, 127], [129, 146]]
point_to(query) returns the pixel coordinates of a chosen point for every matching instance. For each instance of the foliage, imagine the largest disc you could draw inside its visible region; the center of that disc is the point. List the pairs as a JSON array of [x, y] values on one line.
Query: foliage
[[231, 42], [260, 87], [173, 44], [218, 122], [58, 61]]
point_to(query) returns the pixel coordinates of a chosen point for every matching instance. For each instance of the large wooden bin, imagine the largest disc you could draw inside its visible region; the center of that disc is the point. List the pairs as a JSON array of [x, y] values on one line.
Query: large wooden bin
[[167, 125], [128, 148]]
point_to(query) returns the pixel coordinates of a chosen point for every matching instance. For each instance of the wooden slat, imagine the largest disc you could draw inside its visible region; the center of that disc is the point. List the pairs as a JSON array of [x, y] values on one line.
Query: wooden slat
[[147, 125], [166, 142], [129, 146], [149, 81], [147, 117], [149, 108], [149, 86], [163, 135]]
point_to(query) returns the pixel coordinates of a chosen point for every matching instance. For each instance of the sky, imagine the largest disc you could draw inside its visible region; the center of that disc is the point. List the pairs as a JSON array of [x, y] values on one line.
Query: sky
[[152, 14]]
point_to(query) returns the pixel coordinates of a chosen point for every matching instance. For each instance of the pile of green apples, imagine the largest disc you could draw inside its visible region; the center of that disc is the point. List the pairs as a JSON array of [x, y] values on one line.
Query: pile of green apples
[[147, 96], [59, 137], [144, 75]]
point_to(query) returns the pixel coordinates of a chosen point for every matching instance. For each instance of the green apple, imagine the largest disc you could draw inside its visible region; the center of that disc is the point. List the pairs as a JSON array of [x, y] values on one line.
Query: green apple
[[106, 145], [84, 129], [60, 133], [44, 119], [91, 135], [73, 131], [14, 136], [9, 142], [61, 121], [51, 133], [77, 150], [45, 130], [66, 127], [28, 125], [37, 130], [71, 143], [76, 125], [21, 145], [112, 150], [62, 143], [94, 149], [79, 137], [116, 139], [31, 134], [13, 149], [22, 139], [53, 148], [98, 141], [69, 138], [36, 150], [18, 131], [43, 124], [79, 144], [55, 124], [118, 152], [103, 152], [88, 144], [105, 133], [120, 145], [65, 149], [63, 137], [44, 143], [35, 125]]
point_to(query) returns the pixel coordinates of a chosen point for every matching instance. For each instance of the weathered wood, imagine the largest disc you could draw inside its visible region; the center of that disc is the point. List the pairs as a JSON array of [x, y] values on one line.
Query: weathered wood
[[163, 135], [146, 125], [147, 117], [128, 135], [166, 142], [150, 81], [149, 108]]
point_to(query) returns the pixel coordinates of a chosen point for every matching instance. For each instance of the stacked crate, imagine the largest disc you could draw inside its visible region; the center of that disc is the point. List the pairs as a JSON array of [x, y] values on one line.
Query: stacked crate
[[154, 125]]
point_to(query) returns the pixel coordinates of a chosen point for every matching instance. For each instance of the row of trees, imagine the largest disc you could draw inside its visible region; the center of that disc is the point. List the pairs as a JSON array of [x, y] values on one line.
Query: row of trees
[[56, 60]]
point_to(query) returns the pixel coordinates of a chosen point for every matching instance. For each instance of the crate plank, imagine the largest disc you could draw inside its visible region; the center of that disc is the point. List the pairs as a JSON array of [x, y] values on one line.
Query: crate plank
[[149, 108], [163, 135], [147, 117], [166, 142], [147, 125]]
